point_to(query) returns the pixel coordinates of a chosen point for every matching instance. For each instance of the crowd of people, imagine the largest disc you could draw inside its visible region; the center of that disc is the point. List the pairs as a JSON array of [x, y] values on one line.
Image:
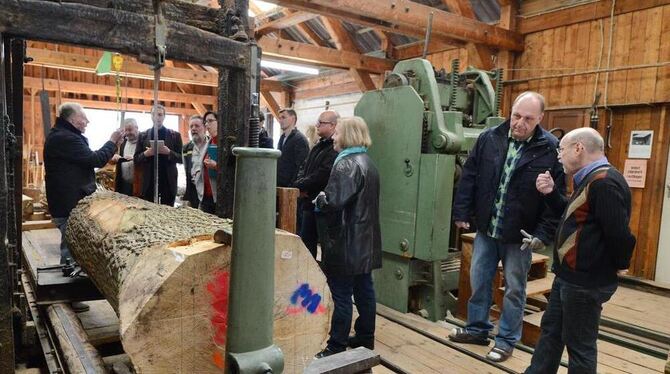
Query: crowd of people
[[511, 192]]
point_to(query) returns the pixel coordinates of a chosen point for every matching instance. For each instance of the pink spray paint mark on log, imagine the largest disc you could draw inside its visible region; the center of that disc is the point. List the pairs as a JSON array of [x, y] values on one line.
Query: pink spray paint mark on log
[[218, 289]]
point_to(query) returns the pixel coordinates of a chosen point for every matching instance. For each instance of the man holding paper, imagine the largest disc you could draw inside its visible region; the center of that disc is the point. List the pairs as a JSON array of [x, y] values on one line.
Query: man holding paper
[[169, 153]]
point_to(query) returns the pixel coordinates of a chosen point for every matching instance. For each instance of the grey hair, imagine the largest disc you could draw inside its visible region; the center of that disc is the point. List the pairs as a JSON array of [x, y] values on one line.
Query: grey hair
[[537, 96], [591, 140], [131, 121], [67, 110]]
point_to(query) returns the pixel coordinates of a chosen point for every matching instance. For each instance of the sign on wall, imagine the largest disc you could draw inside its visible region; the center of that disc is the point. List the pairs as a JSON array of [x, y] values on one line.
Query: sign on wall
[[640, 144], [635, 172]]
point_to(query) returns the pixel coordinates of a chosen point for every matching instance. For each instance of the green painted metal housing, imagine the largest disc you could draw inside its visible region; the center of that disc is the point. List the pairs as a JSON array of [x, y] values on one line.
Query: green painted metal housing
[[249, 344], [419, 124]]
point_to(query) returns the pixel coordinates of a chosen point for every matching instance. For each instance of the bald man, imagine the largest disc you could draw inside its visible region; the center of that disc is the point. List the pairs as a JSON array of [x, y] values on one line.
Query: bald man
[[313, 176], [496, 193], [593, 243]]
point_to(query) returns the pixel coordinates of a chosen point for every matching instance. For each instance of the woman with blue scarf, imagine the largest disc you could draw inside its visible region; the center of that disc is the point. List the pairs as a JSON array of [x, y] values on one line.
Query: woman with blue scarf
[[348, 225]]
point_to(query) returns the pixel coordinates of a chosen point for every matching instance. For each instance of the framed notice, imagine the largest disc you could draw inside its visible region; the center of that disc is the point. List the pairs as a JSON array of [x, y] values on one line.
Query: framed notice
[[635, 172], [640, 144]]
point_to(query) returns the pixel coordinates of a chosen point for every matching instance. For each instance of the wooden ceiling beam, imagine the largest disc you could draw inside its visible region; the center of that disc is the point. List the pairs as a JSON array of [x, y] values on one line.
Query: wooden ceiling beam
[[271, 102], [344, 42], [479, 55], [321, 56], [583, 13], [107, 90], [133, 69], [187, 89], [289, 20], [410, 18], [111, 105]]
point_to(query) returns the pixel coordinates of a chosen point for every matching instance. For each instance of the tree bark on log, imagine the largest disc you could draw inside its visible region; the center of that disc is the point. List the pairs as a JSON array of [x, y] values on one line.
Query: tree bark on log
[[168, 282]]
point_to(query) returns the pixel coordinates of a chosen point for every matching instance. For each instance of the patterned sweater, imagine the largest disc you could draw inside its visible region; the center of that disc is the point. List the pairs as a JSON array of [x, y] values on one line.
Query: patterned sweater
[[593, 239]]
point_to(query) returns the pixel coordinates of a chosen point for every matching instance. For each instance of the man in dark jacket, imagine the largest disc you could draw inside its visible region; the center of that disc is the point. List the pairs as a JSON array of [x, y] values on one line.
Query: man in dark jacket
[[169, 154], [70, 164], [126, 181], [264, 139], [593, 243], [313, 177], [497, 194], [293, 147], [193, 153]]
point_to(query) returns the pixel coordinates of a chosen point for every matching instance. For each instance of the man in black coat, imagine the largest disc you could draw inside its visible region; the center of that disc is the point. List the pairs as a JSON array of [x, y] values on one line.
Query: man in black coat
[[496, 193], [70, 164], [293, 146], [169, 154], [126, 180], [313, 177]]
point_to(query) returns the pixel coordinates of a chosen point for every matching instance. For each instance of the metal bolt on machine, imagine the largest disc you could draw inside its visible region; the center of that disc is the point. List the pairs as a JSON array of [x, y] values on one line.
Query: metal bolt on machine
[[422, 123]]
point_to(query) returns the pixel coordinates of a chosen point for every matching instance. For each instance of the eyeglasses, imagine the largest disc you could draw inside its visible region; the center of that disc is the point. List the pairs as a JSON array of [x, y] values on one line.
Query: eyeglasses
[[210, 120], [527, 119], [321, 123]]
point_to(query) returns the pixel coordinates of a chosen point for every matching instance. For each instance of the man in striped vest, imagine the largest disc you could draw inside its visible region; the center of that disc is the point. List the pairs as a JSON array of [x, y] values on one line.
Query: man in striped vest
[[593, 243]]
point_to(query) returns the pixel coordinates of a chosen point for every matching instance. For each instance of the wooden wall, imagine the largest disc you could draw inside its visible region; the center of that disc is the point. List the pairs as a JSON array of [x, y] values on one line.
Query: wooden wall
[[640, 38], [648, 201], [638, 97]]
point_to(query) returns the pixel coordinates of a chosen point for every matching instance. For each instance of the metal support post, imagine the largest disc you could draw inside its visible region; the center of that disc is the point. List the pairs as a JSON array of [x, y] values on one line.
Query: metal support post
[[249, 344]]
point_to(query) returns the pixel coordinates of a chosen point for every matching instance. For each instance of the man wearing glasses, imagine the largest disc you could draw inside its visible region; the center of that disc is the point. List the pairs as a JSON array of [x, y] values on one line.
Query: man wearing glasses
[[313, 176], [593, 243], [497, 195]]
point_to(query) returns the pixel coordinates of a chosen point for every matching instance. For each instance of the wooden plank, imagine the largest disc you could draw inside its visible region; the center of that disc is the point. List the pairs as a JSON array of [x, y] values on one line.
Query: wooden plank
[[100, 323], [652, 47], [635, 56], [410, 18], [414, 353], [287, 207], [321, 56], [518, 362], [107, 90], [617, 80], [662, 93], [638, 308], [37, 225], [284, 22], [271, 102], [583, 13], [132, 69]]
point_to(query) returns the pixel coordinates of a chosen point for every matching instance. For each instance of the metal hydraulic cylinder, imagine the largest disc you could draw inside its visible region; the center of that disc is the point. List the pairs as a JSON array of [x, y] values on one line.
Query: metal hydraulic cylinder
[[249, 344]]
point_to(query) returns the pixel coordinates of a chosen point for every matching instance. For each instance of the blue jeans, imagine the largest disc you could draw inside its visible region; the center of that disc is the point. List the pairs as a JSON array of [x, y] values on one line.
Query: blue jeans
[[571, 320], [342, 288], [308, 232], [487, 252], [61, 223]]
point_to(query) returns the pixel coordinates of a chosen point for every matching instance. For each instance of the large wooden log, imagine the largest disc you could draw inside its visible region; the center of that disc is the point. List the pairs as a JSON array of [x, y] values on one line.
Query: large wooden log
[[168, 282]]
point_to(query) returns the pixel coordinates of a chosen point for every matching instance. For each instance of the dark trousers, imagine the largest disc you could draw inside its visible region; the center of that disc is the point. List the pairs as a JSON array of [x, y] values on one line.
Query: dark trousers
[[571, 320], [125, 188], [207, 205], [342, 288], [308, 232], [165, 197]]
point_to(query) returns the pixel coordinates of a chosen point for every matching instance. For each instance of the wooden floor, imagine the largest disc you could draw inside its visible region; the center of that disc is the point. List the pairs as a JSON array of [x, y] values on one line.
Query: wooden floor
[[410, 351], [640, 308]]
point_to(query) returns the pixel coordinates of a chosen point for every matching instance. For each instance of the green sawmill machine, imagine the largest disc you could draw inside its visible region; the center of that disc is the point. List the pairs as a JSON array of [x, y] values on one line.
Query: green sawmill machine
[[422, 125]]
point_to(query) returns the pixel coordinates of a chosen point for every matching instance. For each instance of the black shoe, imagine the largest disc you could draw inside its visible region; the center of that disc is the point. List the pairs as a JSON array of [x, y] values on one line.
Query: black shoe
[[461, 335], [355, 342], [326, 352]]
